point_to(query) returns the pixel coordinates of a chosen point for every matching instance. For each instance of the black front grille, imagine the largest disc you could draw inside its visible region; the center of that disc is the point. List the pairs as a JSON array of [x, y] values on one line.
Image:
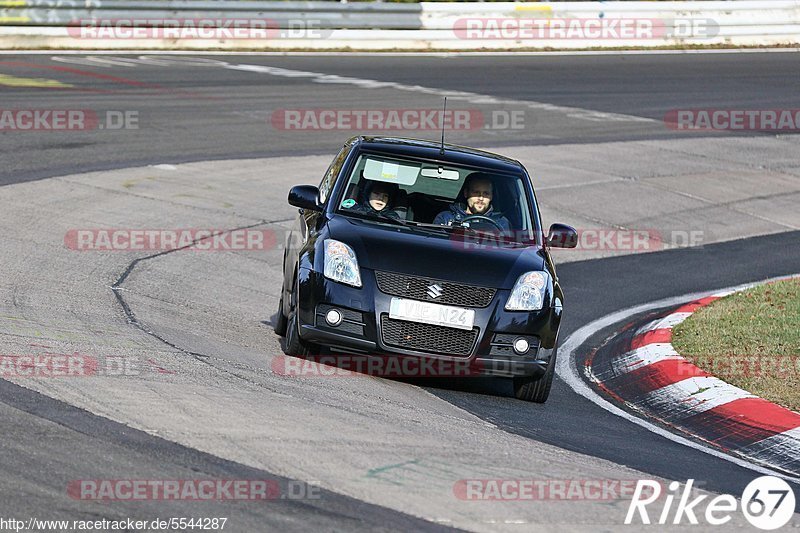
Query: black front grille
[[416, 288], [427, 337]]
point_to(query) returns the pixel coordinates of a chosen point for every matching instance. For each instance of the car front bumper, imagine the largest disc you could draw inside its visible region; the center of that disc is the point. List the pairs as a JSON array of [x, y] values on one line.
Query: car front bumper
[[361, 332]]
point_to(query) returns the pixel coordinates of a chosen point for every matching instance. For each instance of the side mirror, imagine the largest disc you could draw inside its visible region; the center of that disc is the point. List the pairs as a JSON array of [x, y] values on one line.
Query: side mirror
[[305, 197], [562, 236]]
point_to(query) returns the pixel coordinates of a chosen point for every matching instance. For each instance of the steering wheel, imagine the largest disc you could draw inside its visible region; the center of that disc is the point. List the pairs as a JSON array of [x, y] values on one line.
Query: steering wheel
[[484, 218]]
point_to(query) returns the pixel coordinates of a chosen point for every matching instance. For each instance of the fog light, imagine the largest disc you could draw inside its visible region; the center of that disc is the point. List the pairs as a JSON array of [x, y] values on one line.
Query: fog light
[[521, 346], [333, 317]]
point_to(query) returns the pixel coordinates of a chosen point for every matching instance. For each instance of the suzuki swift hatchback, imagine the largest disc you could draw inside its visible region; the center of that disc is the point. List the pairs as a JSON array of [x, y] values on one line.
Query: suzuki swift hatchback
[[409, 248]]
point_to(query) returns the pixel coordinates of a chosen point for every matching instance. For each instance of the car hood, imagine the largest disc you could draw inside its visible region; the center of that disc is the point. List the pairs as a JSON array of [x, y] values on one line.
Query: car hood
[[392, 248]]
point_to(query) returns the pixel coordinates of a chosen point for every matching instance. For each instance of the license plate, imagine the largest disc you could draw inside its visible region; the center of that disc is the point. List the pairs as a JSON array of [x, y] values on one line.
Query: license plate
[[431, 313]]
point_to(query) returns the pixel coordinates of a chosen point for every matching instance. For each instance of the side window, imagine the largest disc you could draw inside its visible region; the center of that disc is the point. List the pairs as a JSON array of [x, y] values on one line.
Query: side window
[[329, 179]]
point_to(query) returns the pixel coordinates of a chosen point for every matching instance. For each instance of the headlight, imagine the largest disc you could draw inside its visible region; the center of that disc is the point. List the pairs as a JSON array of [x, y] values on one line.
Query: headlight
[[341, 264], [528, 292]]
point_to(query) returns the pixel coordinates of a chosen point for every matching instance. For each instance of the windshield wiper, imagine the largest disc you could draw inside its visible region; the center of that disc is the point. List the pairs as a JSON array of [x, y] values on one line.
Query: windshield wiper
[[427, 225], [411, 223], [489, 236], [394, 220]]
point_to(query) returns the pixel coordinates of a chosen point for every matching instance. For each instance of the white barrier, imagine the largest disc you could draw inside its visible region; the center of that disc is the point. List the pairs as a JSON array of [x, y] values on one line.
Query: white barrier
[[571, 25], [487, 26]]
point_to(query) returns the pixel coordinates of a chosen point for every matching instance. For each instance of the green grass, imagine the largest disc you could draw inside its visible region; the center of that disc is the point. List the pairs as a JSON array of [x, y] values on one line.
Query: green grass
[[750, 339]]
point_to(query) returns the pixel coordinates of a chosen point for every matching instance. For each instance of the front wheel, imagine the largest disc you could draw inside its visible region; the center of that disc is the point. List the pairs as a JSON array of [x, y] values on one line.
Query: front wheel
[[536, 389], [280, 322], [294, 344]]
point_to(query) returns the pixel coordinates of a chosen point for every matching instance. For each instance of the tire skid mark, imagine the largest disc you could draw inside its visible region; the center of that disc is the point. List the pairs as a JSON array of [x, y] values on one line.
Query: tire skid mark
[[118, 290]]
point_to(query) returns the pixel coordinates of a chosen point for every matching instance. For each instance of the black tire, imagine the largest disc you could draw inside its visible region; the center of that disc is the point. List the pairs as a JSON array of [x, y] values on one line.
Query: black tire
[[536, 389], [281, 321], [294, 345]]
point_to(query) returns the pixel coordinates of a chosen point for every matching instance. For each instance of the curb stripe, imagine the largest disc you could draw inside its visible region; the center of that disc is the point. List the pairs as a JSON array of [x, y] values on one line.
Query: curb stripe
[[782, 450], [690, 397], [742, 422], [653, 336], [641, 357], [652, 377], [665, 323], [691, 307]]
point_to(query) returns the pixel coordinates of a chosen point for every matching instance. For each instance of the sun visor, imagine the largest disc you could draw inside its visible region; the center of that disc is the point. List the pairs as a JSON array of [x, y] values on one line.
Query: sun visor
[[391, 171]]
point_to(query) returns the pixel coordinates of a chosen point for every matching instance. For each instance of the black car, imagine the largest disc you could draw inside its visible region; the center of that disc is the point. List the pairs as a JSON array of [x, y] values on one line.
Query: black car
[[416, 249]]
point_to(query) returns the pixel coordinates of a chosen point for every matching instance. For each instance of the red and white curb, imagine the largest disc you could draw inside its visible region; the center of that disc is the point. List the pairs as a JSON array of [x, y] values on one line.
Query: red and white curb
[[653, 379]]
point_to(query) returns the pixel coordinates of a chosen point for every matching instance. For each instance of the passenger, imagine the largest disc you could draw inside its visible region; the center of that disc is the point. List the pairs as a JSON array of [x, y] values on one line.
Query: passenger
[[379, 199], [477, 200]]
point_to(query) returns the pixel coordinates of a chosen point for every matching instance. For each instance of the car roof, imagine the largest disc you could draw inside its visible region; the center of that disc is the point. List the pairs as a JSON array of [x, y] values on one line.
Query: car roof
[[425, 149]]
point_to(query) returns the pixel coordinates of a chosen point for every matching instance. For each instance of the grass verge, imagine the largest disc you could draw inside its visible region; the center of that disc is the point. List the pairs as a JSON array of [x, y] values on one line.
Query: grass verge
[[750, 339]]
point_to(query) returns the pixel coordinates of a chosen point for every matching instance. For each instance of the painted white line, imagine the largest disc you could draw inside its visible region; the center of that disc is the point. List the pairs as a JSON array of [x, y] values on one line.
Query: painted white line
[[722, 294], [472, 98], [689, 397], [95, 61], [363, 83], [567, 369]]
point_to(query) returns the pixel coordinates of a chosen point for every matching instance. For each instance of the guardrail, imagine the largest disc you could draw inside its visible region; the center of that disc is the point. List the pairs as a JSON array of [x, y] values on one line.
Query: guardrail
[[243, 24], [329, 15]]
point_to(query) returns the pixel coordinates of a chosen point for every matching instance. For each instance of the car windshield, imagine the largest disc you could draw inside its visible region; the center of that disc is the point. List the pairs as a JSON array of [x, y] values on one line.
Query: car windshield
[[435, 196]]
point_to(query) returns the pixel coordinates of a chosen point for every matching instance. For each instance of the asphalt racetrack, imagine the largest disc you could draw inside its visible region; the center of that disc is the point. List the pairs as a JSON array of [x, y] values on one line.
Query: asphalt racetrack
[[206, 145]]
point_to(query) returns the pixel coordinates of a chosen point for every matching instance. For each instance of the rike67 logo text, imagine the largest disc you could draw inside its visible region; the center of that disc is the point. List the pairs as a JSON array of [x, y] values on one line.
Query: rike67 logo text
[[767, 503]]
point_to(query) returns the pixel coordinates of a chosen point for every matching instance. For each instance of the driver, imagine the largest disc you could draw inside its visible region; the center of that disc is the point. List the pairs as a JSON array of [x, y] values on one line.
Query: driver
[[478, 192]]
